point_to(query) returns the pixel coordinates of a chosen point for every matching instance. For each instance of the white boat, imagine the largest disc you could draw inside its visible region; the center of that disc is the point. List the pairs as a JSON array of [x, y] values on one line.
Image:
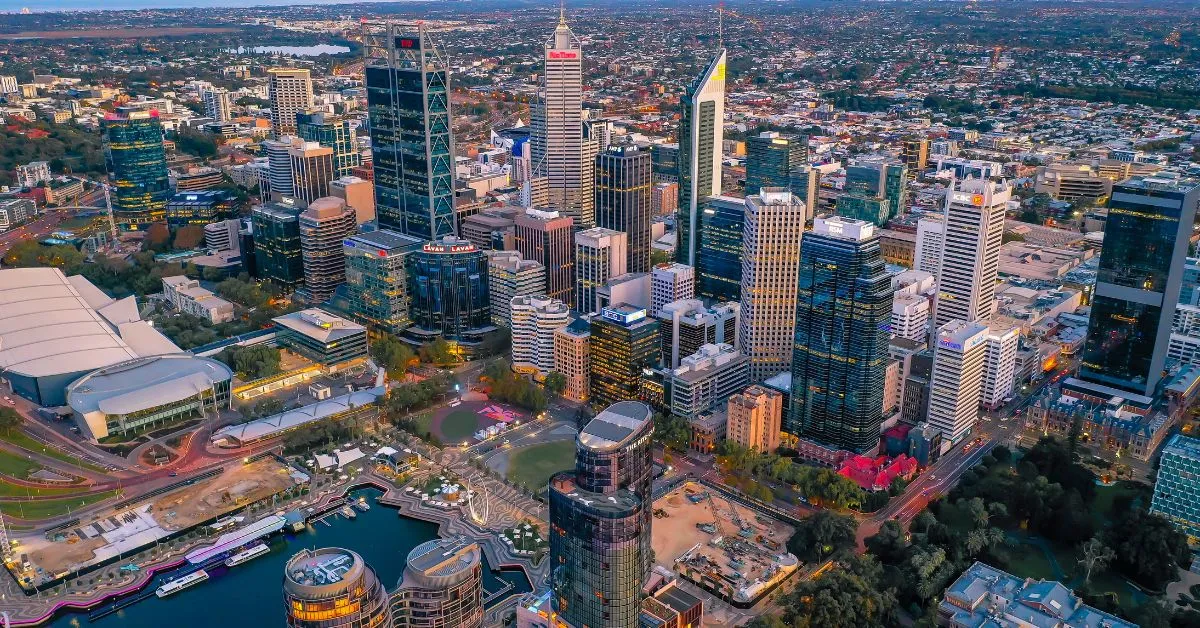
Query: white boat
[[175, 586], [362, 504], [246, 555], [348, 512]]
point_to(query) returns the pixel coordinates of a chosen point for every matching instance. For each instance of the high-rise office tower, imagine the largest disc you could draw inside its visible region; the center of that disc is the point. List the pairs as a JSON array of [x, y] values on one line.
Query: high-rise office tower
[[600, 255], [556, 129], [1177, 485], [323, 226], [956, 384], [137, 163], [753, 418], [218, 103], [333, 132], [771, 241], [442, 587], [882, 179], [970, 251], [450, 293], [278, 183], [915, 154], [671, 282], [910, 316], [358, 193], [546, 237], [841, 339], [775, 161], [623, 200], [687, 324], [623, 342], [408, 106], [534, 322], [1138, 286], [333, 588], [377, 278], [600, 515], [999, 366], [701, 133], [290, 91], [278, 257], [312, 171], [572, 357], [512, 276], [806, 183], [931, 232], [719, 258]]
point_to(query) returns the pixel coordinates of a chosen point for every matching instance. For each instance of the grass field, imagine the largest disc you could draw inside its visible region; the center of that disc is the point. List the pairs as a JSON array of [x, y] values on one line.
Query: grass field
[[45, 509], [533, 465], [12, 490], [458, 426], [16, 466], [22, 440]]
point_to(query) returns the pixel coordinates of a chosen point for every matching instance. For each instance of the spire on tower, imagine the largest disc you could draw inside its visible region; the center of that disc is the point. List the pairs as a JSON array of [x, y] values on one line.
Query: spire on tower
[[562, 12]]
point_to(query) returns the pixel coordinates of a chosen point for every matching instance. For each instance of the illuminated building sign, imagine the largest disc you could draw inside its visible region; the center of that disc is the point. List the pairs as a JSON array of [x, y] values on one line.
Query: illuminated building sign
[[624, 318], [406, 42], [563, 54], [970, 199]]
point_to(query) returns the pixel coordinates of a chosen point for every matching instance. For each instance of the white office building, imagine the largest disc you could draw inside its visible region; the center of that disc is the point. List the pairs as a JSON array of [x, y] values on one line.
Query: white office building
[[910, 316], [218, 103], [971, 251], [509, 275], [600, 255], [33, 173], [279, 168], [534, 321], [931, 230], [186, 296], [686, 325], [771, 234], [956, 385], [707, 378], [1000, 366], [290, 91], [671, 282]]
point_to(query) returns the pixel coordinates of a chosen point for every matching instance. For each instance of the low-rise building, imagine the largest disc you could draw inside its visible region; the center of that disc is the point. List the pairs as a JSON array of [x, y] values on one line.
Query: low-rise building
[[14, 211], [707, 429], [754, 418], [186, 296], [321, 337], [986, 596]]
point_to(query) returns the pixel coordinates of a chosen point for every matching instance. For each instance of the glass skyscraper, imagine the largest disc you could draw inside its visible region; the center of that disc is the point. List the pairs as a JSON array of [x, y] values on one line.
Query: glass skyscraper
[[278, 256], [1137, 288], [718, 260], [623, 201], [624, 341], [701, 131], [843, 323], [376, 288], [773, 159], [408, 106], [450, 293], [334, 132], [137, 163], [1177, 487], [600, 520]]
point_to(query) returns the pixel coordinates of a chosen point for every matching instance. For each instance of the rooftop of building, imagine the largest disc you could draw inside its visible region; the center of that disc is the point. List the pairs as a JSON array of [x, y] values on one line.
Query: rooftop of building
[[51, 324], [319, 325], [1182, 446], [443, 558], [621, 503], [315, 572], [709, 421], [384, 240], [279, 210], [145, 383], [1159, 183], [615, 425], [707, 358], [277, 423], [983, 593]]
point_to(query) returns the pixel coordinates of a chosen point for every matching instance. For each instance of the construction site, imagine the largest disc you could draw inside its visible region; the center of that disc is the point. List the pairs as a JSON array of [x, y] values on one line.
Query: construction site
[[77, 546], [726, 548]]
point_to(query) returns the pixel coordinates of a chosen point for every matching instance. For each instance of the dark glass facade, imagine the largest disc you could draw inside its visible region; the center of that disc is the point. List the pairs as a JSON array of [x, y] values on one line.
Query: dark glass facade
[[719, 254], [702, 178], [623, 201], [772, 159], [450, 292], [843, 319], [623, 342], [1137, 287], [333, 132], [600, 520], [137, 163], [278, 256], [408, 106], [376, 289]]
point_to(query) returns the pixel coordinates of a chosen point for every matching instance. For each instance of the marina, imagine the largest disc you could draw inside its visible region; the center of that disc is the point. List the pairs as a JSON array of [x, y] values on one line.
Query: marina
[[247, 590]]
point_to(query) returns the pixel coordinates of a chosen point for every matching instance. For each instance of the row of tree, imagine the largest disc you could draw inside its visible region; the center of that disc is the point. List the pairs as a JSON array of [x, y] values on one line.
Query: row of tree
[[252, 362], [819, 486], [512, 388]]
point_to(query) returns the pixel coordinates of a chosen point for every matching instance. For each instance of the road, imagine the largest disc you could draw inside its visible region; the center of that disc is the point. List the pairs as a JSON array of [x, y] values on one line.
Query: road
[[43, 225]]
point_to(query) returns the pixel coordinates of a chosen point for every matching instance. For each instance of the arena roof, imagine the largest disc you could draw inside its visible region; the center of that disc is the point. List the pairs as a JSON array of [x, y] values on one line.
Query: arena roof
[[269, 426], [145, 383]]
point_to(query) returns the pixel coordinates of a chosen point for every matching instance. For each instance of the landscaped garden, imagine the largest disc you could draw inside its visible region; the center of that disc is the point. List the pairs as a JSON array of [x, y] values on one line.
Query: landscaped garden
[[532, 466], [525, 538]]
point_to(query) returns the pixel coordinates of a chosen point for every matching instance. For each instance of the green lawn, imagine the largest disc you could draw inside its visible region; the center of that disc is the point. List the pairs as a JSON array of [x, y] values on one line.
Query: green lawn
[[459, 426], [45, 509], [16, 466], [22, 440], [12, 490], [533, 465]]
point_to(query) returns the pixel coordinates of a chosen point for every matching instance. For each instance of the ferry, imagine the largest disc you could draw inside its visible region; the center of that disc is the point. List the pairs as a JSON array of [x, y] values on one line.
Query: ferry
[[223, 522], [175, 586], [348, 512], [362, 504], [247, 555]]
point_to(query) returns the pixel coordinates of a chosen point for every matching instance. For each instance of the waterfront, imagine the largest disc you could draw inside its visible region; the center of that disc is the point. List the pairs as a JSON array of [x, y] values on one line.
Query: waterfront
[[250, 594]]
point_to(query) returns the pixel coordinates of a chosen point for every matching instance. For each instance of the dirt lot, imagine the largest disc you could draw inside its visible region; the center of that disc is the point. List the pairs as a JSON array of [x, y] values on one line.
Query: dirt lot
[[238, 486]]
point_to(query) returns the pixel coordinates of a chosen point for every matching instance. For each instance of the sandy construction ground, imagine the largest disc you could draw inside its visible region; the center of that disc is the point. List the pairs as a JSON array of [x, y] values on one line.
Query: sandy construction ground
[[238, 486]]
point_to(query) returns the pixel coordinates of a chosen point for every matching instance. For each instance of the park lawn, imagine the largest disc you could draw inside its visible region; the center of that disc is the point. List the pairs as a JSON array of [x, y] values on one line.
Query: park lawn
[[533, 465], [45, 509], [12, 490], [22, 440], [424, 423], [1102, 504], [16, 466], [1029, 561], [458, 426]]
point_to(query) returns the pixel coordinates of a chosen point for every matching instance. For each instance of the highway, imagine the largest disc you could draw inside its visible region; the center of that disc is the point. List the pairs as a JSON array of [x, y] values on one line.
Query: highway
[[47, 223]]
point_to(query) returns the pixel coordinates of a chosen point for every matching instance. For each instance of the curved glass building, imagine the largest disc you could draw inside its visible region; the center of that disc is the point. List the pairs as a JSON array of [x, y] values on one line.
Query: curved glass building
[[449, 293], [442, 586], [333, 588]]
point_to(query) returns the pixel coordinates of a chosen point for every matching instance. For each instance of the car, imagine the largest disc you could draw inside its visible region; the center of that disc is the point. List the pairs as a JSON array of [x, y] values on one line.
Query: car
[[173, 474]]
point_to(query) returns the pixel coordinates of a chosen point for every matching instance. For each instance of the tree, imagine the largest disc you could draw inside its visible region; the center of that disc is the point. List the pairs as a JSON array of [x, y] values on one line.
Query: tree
[[555, 383], [1148, 548], [188, 237], [851, 596], [888, 544], [1094, 554], [252, 362], [823, 534], [672, 431], [31, 253], [394, 355], [9, 419], [438, 352]]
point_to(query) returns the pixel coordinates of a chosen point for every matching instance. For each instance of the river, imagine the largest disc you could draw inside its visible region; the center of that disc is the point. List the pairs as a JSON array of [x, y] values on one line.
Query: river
[[251, 594]]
